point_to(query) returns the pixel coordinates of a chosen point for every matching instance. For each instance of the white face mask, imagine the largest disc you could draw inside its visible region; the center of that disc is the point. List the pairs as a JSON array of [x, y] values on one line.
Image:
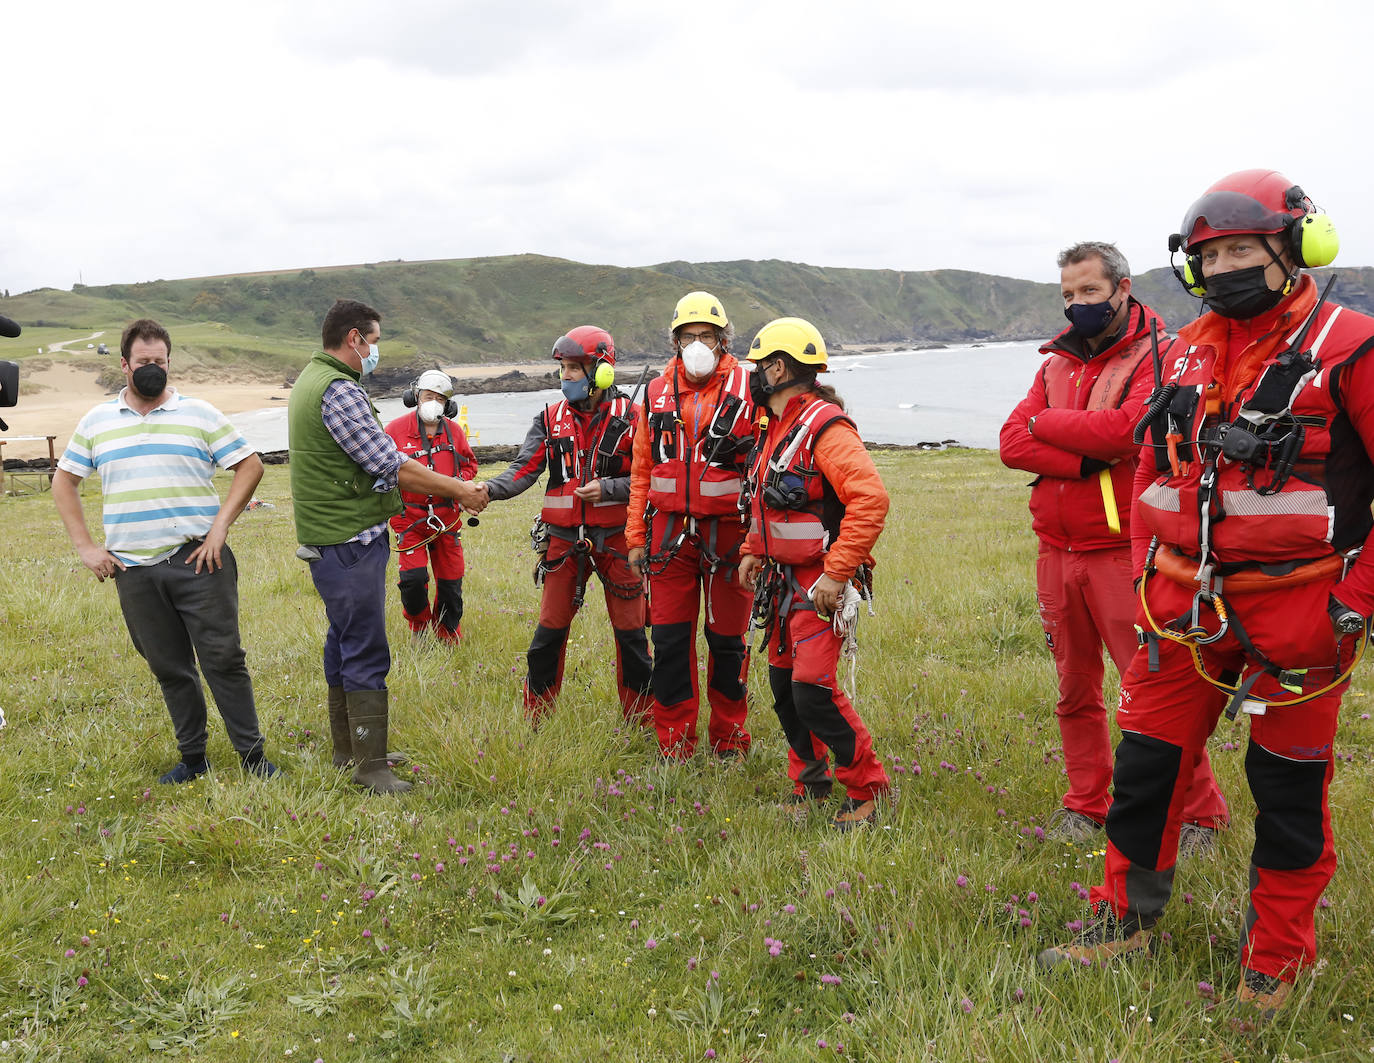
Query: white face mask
[[698, 359], [431, 411]]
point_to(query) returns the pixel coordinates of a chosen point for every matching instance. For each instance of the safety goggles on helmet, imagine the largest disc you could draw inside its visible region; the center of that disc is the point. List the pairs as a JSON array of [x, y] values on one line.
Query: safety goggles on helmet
[[1218, 213], [568, 349]]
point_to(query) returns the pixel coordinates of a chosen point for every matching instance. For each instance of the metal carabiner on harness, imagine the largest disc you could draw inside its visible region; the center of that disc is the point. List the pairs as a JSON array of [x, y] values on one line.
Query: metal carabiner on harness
[[1196, 632]]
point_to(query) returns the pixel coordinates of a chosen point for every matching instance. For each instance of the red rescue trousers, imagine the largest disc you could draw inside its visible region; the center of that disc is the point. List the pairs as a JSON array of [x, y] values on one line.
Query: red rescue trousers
[[445, 555], [1165, 718], [815, 714], [564, 569], [701, 570], [1087, 600]]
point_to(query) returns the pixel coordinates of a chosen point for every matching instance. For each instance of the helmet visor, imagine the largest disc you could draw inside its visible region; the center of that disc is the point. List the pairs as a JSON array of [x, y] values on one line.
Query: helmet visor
[[569, 349], [1229, 212]]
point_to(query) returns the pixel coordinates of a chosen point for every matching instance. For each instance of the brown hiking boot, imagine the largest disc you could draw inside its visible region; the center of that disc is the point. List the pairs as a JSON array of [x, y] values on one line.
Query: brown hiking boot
[[1073, 827], [855, 814], [1265, 993], [1103, 940], [797, 807], [1195, 840]]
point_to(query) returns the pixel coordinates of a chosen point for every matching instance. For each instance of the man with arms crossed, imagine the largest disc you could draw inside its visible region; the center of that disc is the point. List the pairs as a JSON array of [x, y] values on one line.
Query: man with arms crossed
[[1074, 431]]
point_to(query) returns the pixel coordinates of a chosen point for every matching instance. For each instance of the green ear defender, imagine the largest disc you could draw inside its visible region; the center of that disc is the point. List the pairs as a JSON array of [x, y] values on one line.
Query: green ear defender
[[604, 376]]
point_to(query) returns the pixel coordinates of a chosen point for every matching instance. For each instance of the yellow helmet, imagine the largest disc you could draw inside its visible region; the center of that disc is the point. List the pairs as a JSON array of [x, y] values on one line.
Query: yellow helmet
[[793, 336], [698, 307]]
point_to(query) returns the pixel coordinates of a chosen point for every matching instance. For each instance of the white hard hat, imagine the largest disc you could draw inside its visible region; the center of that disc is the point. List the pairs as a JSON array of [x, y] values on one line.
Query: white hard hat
[[436, 381]]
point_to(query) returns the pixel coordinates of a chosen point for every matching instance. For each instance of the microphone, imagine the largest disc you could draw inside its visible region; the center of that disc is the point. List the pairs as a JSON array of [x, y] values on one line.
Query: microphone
[[9, 328]]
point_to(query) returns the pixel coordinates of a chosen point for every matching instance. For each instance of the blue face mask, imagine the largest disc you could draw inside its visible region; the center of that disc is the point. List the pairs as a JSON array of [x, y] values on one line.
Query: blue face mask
[[373, 357], [1091, 319], [576, 390]]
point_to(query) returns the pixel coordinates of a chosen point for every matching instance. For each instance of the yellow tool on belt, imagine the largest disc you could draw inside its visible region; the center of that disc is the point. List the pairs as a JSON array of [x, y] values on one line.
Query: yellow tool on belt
[[1104, 478]]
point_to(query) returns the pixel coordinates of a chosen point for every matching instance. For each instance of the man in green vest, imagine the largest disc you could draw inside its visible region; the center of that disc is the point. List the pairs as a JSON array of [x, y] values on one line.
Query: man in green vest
[[346, 475]]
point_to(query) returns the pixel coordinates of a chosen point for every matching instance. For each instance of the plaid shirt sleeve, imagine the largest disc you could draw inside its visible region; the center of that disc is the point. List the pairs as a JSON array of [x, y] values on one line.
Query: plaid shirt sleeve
[[348, 418]]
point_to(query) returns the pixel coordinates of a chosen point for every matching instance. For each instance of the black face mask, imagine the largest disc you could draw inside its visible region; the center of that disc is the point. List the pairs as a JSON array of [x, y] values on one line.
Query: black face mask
[[758, 388], [150, 380], [1090, 320], [1240, 294]]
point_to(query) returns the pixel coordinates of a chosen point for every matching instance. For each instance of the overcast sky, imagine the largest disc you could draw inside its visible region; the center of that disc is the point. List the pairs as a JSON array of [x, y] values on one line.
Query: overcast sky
[[161, 140]]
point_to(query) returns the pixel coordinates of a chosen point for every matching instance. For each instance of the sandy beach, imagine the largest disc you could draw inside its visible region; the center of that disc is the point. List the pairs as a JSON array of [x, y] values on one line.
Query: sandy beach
[[53, 400]]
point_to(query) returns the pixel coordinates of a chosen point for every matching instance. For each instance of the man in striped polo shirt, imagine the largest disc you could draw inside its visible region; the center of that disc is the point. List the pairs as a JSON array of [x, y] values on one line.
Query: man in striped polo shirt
[[165, 529]]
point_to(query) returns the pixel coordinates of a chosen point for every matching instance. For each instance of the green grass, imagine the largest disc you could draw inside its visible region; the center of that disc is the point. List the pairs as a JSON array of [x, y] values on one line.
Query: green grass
[[236, 919]]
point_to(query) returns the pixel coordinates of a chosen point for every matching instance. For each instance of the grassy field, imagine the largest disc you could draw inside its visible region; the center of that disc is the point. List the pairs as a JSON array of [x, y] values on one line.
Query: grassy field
[[564, 895]]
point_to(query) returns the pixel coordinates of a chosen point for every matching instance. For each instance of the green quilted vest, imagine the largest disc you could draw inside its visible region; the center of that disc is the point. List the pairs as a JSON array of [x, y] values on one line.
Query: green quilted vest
[[333, 495]]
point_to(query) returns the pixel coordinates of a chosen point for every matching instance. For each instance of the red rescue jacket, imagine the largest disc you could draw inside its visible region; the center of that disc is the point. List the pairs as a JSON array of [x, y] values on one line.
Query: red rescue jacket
[[447, 452], [692, 445], [1325, 504], [1083, 408], [573, 450], [845, 501]]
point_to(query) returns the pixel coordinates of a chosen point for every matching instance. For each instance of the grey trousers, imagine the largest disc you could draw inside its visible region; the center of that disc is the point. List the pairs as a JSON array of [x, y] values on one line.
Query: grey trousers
[[176, 617]]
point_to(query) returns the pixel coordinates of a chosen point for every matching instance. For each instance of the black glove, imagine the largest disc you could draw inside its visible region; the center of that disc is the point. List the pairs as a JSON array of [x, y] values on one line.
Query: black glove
[[1344, 620], [1093, 466]]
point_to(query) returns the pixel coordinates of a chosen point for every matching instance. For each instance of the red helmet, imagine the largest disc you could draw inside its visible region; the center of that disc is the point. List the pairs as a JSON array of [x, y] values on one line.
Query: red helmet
[[1251, 201], [586, 343]]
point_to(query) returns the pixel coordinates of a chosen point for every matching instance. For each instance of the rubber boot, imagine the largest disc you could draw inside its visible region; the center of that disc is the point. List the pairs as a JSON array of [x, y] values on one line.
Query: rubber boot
[[338, 727], [342, 734], [367, 717]]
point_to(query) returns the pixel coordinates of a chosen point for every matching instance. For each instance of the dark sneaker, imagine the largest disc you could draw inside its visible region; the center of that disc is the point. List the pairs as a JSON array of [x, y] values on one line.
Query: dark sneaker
[[184, 772], [262, 768], [1195, 840], [1103, 940], [1067, 825], [1265, 993], [856, 814]]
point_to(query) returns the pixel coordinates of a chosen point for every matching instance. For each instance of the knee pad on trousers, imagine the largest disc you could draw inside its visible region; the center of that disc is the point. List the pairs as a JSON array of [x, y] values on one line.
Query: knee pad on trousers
[[414, 587], [672, 667], [1142, 788], [542, 658], [817, 710], [727, 664], [1288, 796], [635, 663], [448, 600]]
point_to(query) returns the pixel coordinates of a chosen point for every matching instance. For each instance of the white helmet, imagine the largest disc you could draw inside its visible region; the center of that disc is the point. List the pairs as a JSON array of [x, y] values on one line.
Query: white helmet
[[436, 381]]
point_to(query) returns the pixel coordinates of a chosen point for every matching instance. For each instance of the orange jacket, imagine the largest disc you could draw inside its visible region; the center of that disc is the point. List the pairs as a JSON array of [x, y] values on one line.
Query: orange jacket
[[849, 472], [697, 411]]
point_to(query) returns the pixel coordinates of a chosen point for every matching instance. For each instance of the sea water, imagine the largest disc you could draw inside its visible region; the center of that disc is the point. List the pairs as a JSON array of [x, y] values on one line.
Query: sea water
[[959, 393]]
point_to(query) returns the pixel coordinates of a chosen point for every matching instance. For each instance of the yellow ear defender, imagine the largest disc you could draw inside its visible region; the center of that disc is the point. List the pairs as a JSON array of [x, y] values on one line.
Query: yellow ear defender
[[604, 376], [1314, 240], [1192, 275]]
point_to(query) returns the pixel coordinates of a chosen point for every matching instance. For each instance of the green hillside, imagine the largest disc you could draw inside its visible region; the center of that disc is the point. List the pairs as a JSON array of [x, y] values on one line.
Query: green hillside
[[509, 308]]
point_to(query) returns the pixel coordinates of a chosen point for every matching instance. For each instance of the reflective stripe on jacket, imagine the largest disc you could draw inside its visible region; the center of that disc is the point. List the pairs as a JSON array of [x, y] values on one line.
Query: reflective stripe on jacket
[[683, 424], [448, 454], [579, 450], [1324, 504], [846, 501]]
